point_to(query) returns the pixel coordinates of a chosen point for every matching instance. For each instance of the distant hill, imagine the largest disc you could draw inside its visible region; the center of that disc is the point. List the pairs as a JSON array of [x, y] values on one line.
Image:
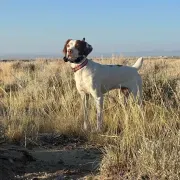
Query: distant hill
[[93, 54]]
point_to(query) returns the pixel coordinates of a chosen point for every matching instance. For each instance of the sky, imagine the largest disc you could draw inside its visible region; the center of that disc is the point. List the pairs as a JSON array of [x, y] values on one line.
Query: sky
[[43, 26]]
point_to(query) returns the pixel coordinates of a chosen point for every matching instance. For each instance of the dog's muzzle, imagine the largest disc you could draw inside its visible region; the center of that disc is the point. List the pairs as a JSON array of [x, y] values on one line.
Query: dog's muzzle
[[77, 60], [65, 59]]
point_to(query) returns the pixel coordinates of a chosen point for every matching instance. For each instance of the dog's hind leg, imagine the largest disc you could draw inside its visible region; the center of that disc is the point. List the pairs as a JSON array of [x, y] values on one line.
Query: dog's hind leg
[[126, 93], [137, 93]]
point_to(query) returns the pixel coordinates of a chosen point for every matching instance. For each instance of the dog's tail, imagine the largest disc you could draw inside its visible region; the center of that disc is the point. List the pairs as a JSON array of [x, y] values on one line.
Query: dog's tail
[[138, 63]]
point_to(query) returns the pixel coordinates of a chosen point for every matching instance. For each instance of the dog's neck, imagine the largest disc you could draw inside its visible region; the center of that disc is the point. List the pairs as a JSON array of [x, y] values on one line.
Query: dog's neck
[[77, 66]]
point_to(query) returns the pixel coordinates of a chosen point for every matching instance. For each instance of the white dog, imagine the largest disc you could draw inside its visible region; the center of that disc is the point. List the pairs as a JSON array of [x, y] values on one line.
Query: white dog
[[96, 79]]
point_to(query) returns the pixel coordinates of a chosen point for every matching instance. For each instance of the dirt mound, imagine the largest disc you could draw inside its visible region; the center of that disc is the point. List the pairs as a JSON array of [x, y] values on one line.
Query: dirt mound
[[13, 159], [56, 158]]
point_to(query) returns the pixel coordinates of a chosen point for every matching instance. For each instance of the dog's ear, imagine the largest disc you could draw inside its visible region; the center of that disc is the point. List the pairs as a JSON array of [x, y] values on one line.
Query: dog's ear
[[87, 49], [65, 46]]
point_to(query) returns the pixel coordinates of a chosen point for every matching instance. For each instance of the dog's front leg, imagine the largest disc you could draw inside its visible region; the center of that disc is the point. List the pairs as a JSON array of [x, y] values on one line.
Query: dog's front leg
[[85, 98], [99, 106]]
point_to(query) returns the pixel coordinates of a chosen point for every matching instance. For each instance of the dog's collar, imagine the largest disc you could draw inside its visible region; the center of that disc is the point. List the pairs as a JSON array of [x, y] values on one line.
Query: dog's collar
[[80, 66]]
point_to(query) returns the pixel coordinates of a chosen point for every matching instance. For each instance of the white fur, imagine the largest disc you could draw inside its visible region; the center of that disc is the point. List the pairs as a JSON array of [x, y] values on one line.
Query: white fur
[[138, 63], [96, 79], [71, 46]]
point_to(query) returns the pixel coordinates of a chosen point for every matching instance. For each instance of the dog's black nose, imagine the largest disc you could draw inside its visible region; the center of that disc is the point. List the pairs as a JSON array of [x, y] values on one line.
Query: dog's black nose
[[65, 59]]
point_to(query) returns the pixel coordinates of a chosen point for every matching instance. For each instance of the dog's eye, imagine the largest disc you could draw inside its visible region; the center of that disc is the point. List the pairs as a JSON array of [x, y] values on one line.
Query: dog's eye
[[68, 45]]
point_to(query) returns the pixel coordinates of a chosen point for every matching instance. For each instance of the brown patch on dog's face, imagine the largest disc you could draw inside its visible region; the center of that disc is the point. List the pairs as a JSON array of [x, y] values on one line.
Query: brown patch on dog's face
[[65, 46], [80, 46], [83, 47]]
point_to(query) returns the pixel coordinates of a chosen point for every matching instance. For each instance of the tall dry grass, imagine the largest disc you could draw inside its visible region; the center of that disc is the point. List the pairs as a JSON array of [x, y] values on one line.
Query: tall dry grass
[[40, 96]]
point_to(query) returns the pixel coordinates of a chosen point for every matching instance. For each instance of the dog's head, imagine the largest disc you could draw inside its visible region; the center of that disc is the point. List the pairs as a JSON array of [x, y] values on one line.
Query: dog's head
[[74, 49]]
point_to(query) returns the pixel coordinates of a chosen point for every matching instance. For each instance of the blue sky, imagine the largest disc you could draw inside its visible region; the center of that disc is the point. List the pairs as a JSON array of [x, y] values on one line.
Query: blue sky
[[42, 26]]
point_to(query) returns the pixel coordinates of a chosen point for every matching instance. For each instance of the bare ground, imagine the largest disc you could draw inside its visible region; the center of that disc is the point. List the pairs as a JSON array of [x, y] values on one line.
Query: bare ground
[[51, 157]]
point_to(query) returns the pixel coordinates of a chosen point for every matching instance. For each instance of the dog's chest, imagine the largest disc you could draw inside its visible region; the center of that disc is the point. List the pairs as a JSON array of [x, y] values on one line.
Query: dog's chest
[[84, 81]]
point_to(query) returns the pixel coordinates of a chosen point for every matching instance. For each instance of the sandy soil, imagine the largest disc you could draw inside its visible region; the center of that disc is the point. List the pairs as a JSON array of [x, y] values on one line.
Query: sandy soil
[[52, 159]]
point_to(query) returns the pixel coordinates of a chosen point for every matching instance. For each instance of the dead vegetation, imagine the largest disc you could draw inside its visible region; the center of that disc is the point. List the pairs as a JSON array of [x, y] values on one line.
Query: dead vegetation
[[40, 97]]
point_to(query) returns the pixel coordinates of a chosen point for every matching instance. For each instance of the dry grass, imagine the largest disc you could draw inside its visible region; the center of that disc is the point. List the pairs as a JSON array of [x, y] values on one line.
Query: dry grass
[[41, 96]]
